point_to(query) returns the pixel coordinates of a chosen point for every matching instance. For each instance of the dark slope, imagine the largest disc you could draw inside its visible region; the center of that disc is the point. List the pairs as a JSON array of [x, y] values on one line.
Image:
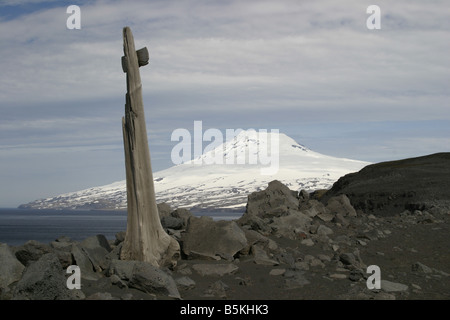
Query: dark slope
[[388, 188]]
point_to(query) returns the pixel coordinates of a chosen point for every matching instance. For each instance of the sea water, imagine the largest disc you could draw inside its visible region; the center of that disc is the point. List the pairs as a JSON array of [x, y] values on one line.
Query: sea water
[[17, 226]]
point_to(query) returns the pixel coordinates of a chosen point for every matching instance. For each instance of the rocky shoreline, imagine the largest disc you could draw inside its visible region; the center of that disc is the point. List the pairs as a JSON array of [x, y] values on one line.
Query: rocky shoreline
[[288, 245]]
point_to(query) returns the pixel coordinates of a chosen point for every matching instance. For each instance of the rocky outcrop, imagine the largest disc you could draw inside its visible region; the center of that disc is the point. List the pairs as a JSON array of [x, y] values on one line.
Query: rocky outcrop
[[208, 239], [389, 188]]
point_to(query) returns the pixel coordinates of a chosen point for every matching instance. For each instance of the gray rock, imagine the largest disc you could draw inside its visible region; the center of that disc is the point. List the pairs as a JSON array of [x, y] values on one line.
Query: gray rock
[[217, 289], [347, 259], [120, 237], [183, 214], [151, 279], [170, 222], [420, 267], [307, 242], [62, 243], [253, 237], [115, 280], [10, 268], [277, 272], [185, 283], [44, 279], [96, 248], [82, 260], [389, 286], [255, 223], [352, 260], [260, 256], [326, 216], [341, 205], [65, 258], [164, 209], [340, 219], [312, 208], [31, 251], [122, 268], [303, 195], [295, 279], [290, 226], [215, 269], [208, 239], [274, 196], [324, 230]]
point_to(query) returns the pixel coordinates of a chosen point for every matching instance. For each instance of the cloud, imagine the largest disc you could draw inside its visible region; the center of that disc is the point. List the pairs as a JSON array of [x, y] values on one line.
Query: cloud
[[262, 64]]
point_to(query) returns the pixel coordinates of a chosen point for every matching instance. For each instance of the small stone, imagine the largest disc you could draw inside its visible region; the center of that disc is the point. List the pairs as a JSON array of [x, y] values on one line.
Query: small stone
[[324, 257], [215, 269], [316, 263], [307, 242], [277, 272], [324, 230], [347, 258], [362, 243], [420, 267], [338, 276], [389, 286]]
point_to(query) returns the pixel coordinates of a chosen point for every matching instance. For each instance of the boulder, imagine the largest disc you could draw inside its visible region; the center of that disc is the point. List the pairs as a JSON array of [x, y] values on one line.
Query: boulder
[[324, 230], [82, 260], [31, 251], [255, 223], [290, 226], [96, 248], [150, 279], [183, 214], [170, 222], [312, 208], [10, 267], [208, 239], [122, 268], [270, 200], [341, 205], [253, 237], [120, 237], [45, 279], [164, 209]]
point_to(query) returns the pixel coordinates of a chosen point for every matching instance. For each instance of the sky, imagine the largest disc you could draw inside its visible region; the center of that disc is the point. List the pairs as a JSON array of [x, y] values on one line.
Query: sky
[[311, 69]]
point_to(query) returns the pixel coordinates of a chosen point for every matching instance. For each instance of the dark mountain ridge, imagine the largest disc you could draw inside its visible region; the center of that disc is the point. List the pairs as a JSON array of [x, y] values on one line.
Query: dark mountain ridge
[[389, 188]]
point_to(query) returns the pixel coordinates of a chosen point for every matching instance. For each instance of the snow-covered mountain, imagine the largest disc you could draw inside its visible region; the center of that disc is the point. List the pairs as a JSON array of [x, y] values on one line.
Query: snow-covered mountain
[[216, 180]]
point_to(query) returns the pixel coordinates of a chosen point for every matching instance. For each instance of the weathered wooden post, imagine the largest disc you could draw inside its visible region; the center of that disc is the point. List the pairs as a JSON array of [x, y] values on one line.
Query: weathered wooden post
[[145, 238]]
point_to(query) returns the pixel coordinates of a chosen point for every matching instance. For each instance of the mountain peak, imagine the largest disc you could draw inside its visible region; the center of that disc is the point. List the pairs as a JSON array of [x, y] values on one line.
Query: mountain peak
[[217, 180]]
